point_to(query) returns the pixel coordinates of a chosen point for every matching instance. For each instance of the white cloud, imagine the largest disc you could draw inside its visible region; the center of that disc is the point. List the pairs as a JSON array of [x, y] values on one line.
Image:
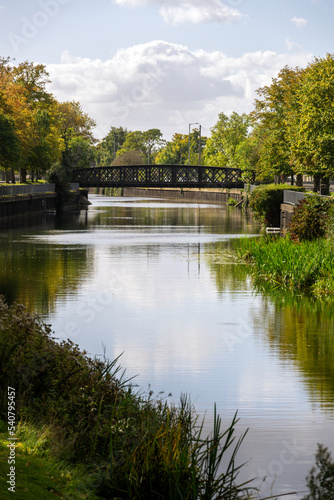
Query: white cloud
[[165, 85], [195, 11], [299, 22]]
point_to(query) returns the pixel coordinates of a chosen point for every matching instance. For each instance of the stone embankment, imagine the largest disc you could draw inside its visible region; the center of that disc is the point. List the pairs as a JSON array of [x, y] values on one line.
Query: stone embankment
[[36, 199]]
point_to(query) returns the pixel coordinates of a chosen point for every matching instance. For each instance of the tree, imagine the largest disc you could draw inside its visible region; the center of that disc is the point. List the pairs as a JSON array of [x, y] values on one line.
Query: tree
[[9, 143], [47, 145], [273, 113], [148, 143], [76, 130], [311, 128], [81, 152], [23, 97], [106, 150], [75, 122], [134, 157], [175, 151], [153, 141], [226, 135], [33, 78], [247, 155]]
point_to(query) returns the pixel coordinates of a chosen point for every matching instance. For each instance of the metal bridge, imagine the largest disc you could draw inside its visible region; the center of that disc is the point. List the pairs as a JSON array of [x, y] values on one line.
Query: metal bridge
[[187, 176]]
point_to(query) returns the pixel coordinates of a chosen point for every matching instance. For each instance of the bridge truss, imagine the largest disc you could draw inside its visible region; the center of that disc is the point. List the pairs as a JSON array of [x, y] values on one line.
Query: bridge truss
[[197, 176]]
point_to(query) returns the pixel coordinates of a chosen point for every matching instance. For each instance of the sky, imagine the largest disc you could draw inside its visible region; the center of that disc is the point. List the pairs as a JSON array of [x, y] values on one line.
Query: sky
[[166, 64]]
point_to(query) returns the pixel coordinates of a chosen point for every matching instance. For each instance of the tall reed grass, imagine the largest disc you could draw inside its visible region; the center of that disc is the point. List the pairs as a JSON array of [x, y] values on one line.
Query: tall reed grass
[[307, 266]]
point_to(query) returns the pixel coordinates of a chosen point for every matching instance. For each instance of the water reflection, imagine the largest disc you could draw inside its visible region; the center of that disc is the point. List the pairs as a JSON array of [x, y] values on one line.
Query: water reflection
[[156, 281], [301, 329], [37, 274]]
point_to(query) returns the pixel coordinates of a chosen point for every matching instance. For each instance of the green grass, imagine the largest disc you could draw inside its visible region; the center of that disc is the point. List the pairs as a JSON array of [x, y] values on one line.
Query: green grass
[[37, 474], [41, 181], [307, 266]]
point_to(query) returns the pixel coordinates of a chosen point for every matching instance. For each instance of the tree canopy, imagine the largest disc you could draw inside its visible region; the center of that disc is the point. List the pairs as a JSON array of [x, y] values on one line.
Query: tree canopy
[[289, 132]]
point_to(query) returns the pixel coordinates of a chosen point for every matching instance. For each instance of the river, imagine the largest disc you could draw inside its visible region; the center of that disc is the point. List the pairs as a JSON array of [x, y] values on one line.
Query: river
[[156, 282]]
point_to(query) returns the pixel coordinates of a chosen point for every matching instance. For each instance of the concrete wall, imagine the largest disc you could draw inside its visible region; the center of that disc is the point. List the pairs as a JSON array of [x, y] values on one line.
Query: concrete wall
[[186, 195], [14, 190], [286, 216], [27, 203]]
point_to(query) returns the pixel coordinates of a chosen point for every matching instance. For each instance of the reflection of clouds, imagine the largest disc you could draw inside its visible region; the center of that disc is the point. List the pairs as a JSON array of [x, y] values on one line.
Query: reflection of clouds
[[159, 303]]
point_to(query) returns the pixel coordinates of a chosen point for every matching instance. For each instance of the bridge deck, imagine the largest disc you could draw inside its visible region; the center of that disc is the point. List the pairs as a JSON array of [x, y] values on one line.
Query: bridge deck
[[159, 176]]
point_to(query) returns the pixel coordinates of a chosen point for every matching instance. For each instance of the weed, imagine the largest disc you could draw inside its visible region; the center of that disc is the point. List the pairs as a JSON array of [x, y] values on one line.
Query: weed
[[306, 267]]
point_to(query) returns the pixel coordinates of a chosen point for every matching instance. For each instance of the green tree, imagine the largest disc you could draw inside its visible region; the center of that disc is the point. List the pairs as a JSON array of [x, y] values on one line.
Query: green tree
[[175, 152], [226, 136], [312, 125], [76, 130], [148, 143], [106, 150], [153, 141], [273, 112], [81, 152], [247, 156], [9, 143]]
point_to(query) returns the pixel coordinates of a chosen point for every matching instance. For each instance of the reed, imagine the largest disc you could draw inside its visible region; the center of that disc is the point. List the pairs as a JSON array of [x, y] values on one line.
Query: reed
[[307, 266]]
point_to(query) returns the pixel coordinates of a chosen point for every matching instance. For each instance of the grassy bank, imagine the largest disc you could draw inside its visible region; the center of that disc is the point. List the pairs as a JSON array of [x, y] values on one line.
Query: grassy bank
[[306, 267], [75, 417], [37, 473]]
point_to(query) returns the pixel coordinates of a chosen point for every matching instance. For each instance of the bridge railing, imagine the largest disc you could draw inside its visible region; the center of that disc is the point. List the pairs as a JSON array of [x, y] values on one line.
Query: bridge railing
[[159, 176]]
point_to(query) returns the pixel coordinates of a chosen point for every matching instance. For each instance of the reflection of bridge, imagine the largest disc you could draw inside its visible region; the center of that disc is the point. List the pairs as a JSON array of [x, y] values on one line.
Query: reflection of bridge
[[159, 176]]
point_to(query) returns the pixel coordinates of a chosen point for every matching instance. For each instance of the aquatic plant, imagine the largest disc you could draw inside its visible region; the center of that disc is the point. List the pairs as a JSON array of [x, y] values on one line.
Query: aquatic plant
[[282, 263]]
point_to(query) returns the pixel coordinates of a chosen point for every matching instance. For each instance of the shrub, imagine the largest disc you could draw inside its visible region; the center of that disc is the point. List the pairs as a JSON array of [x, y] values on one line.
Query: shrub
[[310, 218], [265, 202], [320, 480]]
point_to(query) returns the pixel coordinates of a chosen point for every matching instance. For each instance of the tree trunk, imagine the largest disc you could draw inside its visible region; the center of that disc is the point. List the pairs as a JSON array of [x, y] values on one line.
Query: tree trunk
[[13, 176], [32, 175], [324, 186], [23, 175], [7, 176], [299, 181], [292, 180], [316, 183]]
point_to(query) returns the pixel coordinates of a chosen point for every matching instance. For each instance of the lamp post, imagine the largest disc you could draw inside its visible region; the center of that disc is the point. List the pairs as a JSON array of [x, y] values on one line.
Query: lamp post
[[199, 151]]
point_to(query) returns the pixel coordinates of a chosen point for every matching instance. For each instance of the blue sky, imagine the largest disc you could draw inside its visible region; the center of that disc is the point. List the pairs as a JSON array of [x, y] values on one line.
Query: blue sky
[[164, 63]]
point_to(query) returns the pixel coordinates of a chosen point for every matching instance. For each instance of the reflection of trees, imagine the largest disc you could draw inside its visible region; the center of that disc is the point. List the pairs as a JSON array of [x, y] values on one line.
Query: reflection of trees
[[298, 328], [228, 274], [302, 330], [35, 275], [207, 219]]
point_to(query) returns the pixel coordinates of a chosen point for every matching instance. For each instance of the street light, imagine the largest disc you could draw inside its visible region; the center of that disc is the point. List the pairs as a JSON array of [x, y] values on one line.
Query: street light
[[199, 151]]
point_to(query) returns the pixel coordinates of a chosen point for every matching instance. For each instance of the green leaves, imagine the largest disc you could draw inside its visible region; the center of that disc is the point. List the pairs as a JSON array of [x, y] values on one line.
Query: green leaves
[[227, 135]]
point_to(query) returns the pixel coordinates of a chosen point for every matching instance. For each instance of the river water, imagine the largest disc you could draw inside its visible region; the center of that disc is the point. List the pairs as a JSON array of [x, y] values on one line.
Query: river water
[[157, 282]]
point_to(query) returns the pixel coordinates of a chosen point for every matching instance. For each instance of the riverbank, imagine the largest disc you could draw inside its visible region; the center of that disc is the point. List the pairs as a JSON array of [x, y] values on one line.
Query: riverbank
[[85, 413], [19, 202], [306, 267]]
